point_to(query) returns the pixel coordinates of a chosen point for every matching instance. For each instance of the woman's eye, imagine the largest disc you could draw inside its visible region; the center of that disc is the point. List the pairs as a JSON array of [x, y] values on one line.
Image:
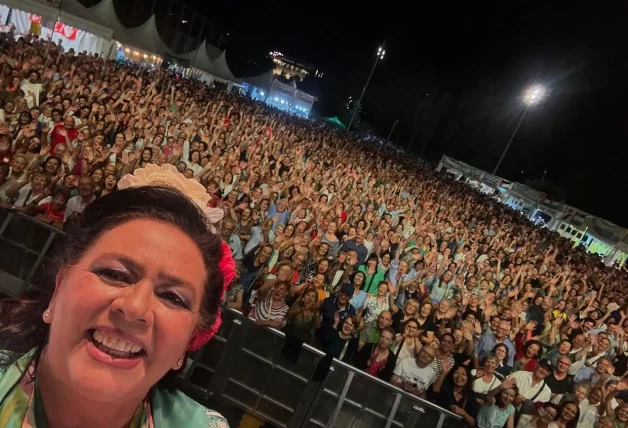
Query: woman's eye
[[174, 298], [113, 275]]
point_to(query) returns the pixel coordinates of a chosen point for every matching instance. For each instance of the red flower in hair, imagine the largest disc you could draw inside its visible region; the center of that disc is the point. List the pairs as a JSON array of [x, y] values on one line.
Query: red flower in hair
[[227, 266]]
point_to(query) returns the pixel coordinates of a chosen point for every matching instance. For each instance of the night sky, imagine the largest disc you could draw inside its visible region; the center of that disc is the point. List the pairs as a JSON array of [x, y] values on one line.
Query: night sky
[[474, 61]]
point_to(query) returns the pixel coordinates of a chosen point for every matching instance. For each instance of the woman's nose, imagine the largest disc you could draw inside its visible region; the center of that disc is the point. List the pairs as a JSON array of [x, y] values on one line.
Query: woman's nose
[[135, 303]]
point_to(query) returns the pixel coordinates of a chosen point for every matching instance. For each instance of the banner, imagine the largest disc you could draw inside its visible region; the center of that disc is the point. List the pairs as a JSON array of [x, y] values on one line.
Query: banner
[[281, 90], [304, 99], [70, 37]]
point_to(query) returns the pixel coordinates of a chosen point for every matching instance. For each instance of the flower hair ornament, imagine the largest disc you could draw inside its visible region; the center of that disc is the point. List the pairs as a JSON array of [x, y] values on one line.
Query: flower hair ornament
[[168, 176]]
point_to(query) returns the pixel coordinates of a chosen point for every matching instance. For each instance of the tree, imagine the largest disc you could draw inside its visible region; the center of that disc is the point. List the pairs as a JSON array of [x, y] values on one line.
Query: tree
[[354, 108]]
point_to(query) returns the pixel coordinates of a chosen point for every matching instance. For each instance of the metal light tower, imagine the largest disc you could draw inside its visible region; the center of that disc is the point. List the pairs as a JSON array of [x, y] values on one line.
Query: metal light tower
[[381, 51], [531, 97]]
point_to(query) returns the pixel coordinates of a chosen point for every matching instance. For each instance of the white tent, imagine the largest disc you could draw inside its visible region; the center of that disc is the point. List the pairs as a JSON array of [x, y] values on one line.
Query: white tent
[[35, 7], [199, 58], [143, 37], [76, 15], [261, 81], [222, 69]]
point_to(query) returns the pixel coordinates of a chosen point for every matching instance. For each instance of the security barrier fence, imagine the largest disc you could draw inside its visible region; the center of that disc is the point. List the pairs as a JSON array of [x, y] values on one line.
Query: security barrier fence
[[245, 366]]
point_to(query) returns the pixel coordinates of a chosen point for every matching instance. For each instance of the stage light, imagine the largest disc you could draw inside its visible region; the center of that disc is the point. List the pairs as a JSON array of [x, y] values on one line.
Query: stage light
[[534, 94], [261, 93], [276, 99], [282, 102]]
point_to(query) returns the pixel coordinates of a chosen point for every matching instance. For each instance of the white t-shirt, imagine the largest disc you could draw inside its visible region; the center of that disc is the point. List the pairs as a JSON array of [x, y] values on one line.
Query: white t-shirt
[[35, 88], [410, 373], [482, 387], [26, 196]]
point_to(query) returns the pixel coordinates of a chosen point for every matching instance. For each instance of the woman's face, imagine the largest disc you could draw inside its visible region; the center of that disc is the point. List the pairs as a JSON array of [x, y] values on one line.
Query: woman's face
[[460, 377], [322, 250], [382, 289], [564, 348], [426, 309], [501, 353], [280, 291], [547, 414], [569, 412], [358, 280], [348, 327], [622, 413], [411, 308], [52, 165], [110, 182], [490, 365], [580, 393], [532, 351], [385, 339], [137, 287], [385, 259], [458, 336], [443, 306], [309, 298], [97, 175], [508, 396], [595, 396]]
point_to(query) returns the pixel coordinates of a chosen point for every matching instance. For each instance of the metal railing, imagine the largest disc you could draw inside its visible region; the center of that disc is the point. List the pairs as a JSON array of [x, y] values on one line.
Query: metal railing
[[245, 365]]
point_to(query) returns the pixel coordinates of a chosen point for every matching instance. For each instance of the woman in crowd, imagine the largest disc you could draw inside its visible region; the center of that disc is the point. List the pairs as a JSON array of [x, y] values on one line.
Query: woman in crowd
[[498, 410], [452, 391], [544, 417], [444, 353], [568, 415], [269, 308], [407, 344], [410, 310], [426, 325], [302, 318], [375, 304], [341, 343], [501, 352], [141, 260], [359, 295], [374, 274], [485, 379], [528, 356], [375, 358]]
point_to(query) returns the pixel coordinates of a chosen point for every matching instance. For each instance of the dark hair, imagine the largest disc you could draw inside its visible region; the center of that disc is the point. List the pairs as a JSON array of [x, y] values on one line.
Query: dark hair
[[502, 346], [21, 324], [537, 343], [450, 377]]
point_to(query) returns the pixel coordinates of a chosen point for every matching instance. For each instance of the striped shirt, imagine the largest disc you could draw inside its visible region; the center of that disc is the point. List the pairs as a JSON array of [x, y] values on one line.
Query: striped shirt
[[263, 310]]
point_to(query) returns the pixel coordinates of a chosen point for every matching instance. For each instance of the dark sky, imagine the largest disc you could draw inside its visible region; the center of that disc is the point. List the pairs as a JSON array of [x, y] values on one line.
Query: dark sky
[[476, 57]]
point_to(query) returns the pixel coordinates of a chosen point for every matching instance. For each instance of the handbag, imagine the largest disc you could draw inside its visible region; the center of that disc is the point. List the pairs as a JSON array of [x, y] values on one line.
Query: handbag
[[528, 407]]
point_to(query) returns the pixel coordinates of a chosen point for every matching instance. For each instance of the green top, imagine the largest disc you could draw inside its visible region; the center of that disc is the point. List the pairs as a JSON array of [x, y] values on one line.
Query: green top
[[21, 404]]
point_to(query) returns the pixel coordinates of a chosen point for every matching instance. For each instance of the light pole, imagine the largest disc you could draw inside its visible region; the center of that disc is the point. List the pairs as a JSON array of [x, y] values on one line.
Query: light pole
[[532, 96], [391, 131], [380, 55]]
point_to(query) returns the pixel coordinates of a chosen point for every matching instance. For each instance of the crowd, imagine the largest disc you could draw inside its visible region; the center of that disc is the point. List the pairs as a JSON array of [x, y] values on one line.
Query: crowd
[[354, 248]]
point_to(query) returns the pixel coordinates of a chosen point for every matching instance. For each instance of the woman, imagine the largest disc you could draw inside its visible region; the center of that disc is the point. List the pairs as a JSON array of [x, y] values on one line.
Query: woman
[[563, 349], [143, 273], [302, 318], [269, 308], [589, 402], [501, 352], [408, 344], [485, 378], [340, 342], [528, 355], [374, 274], [399, 318], [543, 418], [498, 411], [444, 354], [568, 415], [375, 358], [110, 185], [452, 391], [425, 323], [359, 296], [374, 305]]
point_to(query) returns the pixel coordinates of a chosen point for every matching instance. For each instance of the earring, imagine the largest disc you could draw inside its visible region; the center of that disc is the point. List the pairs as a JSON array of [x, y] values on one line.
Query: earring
[[180, 362], [47, 313]]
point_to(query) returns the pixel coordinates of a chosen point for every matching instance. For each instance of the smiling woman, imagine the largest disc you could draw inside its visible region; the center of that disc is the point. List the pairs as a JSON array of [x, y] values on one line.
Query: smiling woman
[[138, 285]]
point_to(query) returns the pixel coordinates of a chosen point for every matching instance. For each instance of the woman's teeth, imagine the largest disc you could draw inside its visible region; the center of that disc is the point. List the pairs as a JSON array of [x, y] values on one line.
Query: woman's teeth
[[114, 346]]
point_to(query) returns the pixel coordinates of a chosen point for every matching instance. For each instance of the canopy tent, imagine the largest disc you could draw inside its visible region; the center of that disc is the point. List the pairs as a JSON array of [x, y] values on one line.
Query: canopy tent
[[35, 7], [76, 15], [261, 81], [199, 58], [221, 69], [335, 121], [143, 37]]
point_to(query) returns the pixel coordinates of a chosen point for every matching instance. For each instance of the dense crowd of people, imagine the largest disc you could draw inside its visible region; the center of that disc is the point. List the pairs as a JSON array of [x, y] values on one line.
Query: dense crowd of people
[[352, 247]]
